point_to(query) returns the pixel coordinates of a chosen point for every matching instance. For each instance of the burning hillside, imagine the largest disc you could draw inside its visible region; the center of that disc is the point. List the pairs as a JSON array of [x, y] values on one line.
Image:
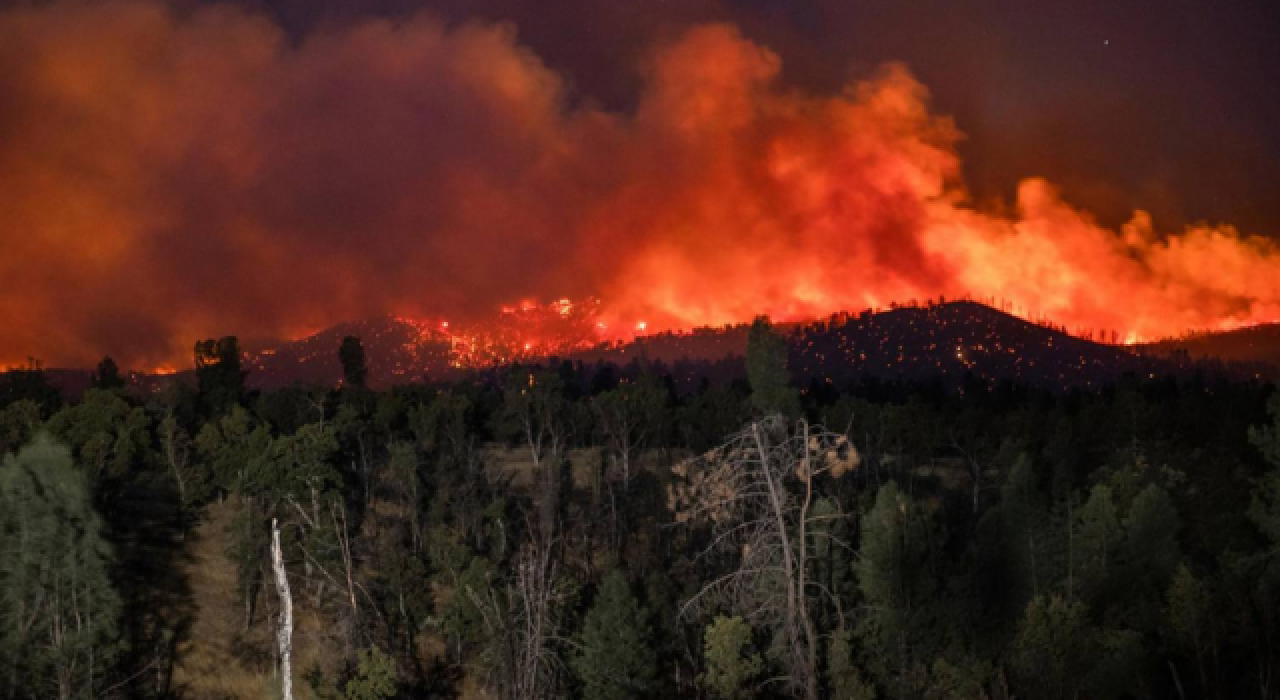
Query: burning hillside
[[250, 184], [402, 349], [945, 341]]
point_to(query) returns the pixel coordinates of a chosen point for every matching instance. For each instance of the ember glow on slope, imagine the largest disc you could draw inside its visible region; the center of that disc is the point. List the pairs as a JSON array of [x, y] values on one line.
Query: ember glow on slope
[[169, 176]]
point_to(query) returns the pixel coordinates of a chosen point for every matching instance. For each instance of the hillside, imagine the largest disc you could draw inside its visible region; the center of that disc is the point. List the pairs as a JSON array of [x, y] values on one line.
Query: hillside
[[401, 350], [397, 351], [943, 341], [949, 340], [1253, 344]]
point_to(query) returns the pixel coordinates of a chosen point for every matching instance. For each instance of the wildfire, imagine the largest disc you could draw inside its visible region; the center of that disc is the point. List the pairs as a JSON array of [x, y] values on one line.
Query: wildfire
[[721, 195], [529, 330]]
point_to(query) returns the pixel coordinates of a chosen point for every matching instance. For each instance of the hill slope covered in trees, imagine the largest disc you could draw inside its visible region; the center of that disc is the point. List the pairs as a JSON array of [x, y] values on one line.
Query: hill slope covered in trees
[[580, 531]]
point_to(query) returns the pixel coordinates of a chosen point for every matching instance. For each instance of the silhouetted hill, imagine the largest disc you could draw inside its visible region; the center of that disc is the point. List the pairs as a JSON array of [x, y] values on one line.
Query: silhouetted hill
[[400, 350], [672, 346], [942, 342], [1259, 345], [397, 351], [948, 341]]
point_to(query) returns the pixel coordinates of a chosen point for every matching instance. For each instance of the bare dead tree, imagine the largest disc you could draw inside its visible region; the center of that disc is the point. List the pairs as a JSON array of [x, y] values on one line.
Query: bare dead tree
[[973, 464], [329, 553], [534, 402], [755, 492], [629, 418], [338, 516], [284, 630], [535, 406], [521, 618], [175, 445]]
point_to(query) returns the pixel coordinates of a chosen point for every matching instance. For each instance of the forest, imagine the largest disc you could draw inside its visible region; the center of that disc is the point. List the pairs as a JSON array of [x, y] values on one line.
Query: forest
[[570, 530]]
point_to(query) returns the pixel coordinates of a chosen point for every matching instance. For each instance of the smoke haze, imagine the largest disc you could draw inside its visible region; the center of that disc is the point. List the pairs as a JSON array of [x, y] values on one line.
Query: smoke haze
[[167, 175]]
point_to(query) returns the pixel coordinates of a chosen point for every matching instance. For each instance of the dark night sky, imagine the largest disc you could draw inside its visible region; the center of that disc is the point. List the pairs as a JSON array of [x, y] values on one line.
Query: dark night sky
[[1172, 106]]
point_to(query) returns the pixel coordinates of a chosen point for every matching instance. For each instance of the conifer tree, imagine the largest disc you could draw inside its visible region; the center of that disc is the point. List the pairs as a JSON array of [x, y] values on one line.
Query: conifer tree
[[731, 664], [1052, 650], [375, 678], [1096, 539], [18, 423], [218, 373], [893, 574], [1151, 541], [108, 375], [59, 613], [616, 661], [355, 371], [771, 390], [1264, 506]]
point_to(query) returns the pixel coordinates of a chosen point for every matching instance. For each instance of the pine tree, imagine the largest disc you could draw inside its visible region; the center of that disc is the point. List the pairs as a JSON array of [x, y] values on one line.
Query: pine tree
[[218, 373], [893, 574], [1025, 538], [108, 375], [1151, 540], [355, 371], [771, 390], [1095, 543], [18, 423], [844, 680], [1051, 653], [375, 678], [616, 661], [59, 614], [107, 435], [1188, 620], [1264, 507], [731, 665]]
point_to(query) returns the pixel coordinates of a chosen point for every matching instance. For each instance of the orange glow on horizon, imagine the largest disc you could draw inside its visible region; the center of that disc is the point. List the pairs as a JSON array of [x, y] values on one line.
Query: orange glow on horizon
[[203, 200]]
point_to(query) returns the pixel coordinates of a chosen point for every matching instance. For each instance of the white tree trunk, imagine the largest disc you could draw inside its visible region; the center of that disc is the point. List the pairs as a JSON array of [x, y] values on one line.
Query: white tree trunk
[[284, 631]]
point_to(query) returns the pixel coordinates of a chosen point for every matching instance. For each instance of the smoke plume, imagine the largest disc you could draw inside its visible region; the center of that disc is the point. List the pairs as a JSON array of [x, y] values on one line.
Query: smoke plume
[[168, 175]]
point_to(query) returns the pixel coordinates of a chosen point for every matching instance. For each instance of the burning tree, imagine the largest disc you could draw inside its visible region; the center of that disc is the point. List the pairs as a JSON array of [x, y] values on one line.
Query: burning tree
[[755, 492]]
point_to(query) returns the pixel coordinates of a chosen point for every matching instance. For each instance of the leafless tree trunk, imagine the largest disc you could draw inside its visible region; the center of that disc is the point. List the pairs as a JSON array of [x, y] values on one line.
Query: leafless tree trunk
[[284, 631], [338, 513], [975, 470], [250, 579], [617, 426], [176, 447], [755, 491], [545, 441], [175, 444], [628, 419], [537, 406], [522, 620]]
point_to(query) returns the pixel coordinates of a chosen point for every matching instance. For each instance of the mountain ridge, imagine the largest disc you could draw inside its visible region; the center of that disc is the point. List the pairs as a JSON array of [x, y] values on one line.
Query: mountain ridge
[[944, 341]]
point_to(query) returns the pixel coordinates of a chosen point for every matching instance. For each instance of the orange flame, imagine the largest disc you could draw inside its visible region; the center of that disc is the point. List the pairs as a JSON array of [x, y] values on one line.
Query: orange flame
[[196, 173], [802, 206]]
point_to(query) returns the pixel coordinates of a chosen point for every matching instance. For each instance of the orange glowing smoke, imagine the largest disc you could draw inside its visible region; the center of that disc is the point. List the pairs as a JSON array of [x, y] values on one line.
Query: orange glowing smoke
[[167, 176], [798, 206]]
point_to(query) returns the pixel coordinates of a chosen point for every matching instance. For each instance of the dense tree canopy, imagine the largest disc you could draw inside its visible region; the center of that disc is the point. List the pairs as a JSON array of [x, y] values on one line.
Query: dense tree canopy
[[565, 530], [59, 610]]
